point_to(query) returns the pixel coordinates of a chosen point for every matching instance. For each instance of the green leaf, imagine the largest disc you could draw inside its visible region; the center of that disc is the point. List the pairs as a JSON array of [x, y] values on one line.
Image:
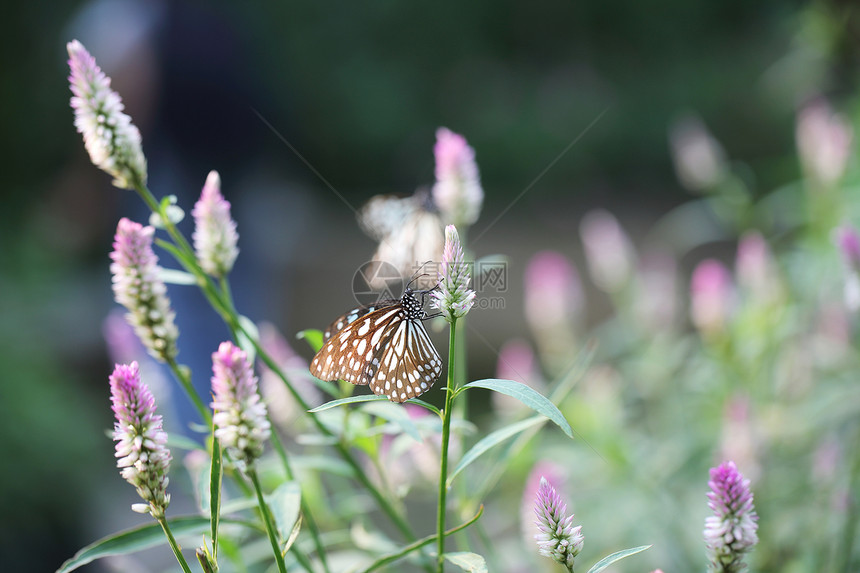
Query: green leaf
[[395, 415], [491, 440], [136, 539], [285, 503], [527, 396], [467, 561], [350, 400], [176, 277], [313, 337], [216, 473], [617, 556], [426, 405]]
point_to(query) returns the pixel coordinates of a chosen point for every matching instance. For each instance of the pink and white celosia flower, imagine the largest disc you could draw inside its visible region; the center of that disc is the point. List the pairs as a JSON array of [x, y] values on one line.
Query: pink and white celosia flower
[[453, 297], [240, 418], [141, 442], [215, 236], [110, 137], [138, 287], [731, 532]]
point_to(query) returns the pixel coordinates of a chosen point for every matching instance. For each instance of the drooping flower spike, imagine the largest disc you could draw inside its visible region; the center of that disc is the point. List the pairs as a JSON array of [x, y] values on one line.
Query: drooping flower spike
[[215, 236], [110, 137], [138, 287], [141, 442], [240, 418], [731, 532], [453, 297]]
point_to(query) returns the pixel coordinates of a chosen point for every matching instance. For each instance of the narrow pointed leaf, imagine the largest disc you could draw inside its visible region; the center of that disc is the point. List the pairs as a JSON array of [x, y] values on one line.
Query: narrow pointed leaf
[[491, 440], [176, 277], [467, 561], [617, 556], [216, 473], [527, 396], [293, 535], [350, 400], [136, 539]]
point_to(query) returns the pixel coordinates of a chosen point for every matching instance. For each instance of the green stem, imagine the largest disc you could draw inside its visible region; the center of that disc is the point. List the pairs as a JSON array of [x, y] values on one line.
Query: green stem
[[268, 521], [446, 433], [174, 545], [311, 523], [184, 377]]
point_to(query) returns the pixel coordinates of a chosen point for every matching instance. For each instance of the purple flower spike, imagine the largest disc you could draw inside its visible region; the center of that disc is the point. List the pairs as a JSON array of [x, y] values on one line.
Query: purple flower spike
[[731, 532], [240, 415], [140, 440], [215, 234], [137, 286], [558, 538], [454, 297], [112, 141], [457, 191]]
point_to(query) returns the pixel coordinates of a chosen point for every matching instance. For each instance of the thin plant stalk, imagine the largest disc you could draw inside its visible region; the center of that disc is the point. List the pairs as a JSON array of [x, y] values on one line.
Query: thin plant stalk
[[174, 545], [446, 434], [184, 378], [269, 522]]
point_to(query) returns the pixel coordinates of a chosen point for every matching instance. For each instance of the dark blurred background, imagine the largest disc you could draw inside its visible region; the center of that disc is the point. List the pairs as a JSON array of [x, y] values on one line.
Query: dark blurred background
[[358, 90]]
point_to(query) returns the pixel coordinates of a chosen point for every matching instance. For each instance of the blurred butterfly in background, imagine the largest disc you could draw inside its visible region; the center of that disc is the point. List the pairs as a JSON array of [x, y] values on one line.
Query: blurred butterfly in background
[[383, 345], [409, 231]]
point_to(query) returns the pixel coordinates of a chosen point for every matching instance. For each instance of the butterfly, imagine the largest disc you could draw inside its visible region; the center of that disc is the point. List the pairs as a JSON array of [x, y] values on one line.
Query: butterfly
[[408, 229], [383, 345]]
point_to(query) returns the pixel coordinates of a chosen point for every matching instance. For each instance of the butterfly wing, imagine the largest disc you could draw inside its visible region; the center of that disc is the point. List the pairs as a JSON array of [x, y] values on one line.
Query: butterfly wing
[[349, 352], [341, 322], [382, 348], [407, 366]]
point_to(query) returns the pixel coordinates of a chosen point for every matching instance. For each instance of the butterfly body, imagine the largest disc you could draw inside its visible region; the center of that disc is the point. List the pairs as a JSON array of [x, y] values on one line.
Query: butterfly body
[[383, 345]]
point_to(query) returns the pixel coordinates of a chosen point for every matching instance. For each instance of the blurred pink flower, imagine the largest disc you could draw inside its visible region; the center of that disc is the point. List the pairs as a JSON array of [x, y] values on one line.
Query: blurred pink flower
[[553, 291], [756, 269], [699, 160], [730, 532], [847, 239], [516, 362], [824, 141], [457, 193], [710, 297], [608, 250]]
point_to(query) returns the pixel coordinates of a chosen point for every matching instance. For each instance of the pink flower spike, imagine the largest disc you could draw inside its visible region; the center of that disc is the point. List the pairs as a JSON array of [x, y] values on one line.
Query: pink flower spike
[[140, 440], [112, 141], [215, 236], [137, 286], [457, 193], [240, 417], [558, 538], [608, 250], [453, 297], [731, 532]]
